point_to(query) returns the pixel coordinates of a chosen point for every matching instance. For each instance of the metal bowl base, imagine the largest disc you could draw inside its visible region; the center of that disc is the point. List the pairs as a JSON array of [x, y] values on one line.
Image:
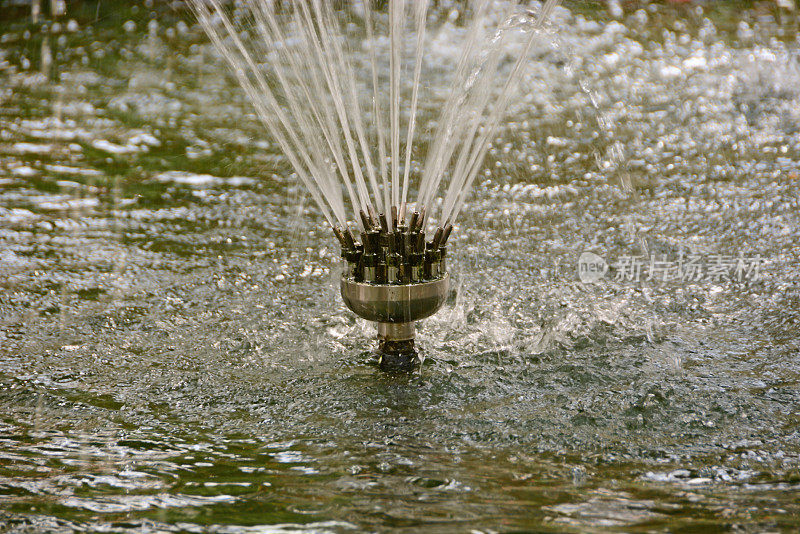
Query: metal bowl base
[[395, 309]]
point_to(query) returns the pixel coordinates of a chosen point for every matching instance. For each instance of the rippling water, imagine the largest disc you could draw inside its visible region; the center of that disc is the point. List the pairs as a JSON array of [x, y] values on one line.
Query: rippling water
[[174, 355]]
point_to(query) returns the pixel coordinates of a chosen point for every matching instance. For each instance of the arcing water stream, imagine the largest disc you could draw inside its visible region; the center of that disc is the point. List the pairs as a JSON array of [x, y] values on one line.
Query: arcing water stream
[[296, 66], [302, 76], [174, 355]]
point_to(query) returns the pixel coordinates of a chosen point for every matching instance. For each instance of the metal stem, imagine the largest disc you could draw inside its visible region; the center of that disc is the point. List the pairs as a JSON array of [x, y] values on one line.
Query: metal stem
[[396, 331]]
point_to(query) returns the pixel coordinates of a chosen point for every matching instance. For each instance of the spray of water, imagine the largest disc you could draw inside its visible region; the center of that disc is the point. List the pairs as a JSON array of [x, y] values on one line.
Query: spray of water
[[328, 111]]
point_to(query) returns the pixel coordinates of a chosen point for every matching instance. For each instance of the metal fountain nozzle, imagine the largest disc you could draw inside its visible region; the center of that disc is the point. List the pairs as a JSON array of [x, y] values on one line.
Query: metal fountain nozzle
[[395, 278], [395, 309]]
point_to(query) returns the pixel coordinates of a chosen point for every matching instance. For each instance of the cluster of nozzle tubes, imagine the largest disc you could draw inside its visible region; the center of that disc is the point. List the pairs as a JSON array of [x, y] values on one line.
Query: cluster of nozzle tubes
[[396, 254]]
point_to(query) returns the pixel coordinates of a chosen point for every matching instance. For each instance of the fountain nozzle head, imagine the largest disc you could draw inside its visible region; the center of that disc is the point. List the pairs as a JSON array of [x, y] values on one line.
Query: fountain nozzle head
[[395, 278]]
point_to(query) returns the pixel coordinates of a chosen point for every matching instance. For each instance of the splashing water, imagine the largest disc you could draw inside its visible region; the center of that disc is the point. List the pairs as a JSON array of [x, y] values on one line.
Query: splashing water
[[173, 356]]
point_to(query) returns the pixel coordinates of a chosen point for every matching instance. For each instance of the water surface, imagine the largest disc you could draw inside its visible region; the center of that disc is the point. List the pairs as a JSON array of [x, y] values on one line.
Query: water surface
[[174, 355]]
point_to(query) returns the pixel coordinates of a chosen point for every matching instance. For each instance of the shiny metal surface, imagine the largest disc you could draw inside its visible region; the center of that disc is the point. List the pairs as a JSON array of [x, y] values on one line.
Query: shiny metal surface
[[395, 303], [396, 331]]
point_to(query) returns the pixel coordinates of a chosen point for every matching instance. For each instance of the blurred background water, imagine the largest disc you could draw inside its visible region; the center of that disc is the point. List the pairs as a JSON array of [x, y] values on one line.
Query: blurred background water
[[174, 355]]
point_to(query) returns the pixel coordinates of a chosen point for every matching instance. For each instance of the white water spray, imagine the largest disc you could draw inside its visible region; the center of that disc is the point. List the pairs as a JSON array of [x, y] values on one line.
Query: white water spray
[[328, 112]]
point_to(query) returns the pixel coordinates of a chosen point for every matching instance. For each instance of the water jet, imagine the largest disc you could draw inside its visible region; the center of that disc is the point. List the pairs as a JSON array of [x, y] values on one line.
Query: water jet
[[307, 94]]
